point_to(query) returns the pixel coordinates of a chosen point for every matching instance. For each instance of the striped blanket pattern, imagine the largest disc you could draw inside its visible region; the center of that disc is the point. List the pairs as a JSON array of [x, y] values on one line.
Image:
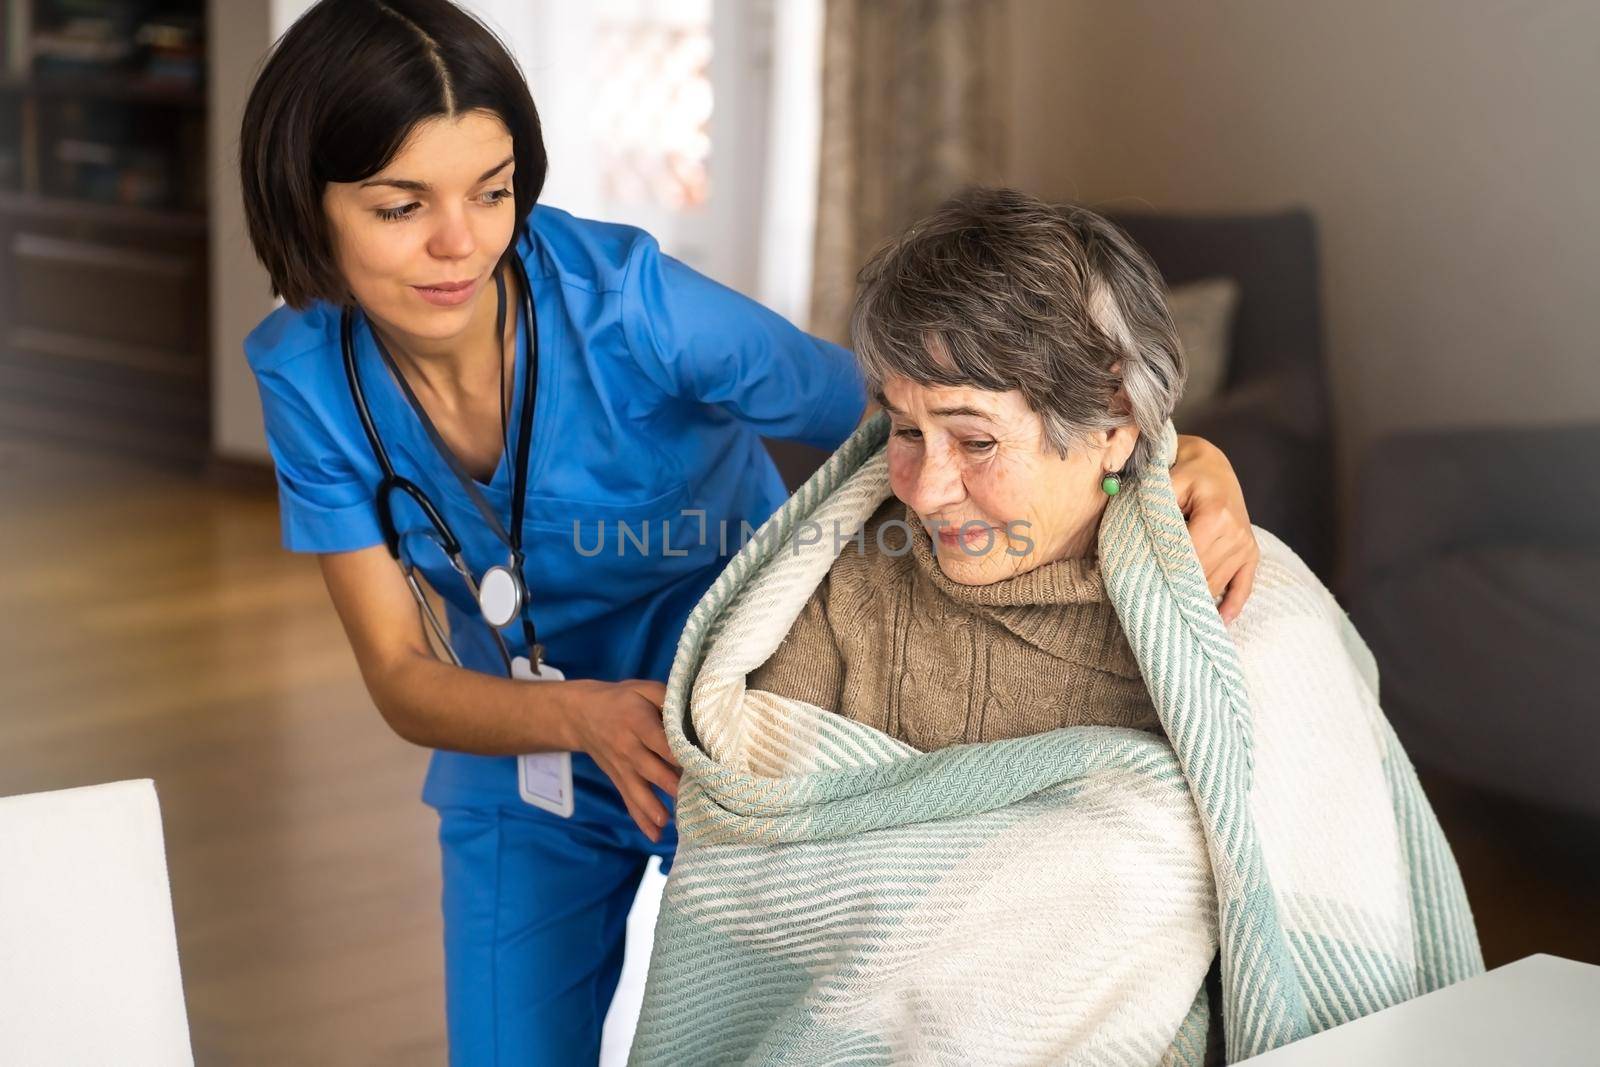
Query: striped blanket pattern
[[840, 897]]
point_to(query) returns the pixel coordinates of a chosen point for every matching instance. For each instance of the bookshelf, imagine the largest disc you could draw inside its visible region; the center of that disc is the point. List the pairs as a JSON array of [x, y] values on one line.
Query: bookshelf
[[104, 224]]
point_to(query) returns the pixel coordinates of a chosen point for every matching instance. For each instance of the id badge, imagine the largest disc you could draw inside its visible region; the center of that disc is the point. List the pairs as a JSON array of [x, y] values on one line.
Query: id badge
[[544, 778]]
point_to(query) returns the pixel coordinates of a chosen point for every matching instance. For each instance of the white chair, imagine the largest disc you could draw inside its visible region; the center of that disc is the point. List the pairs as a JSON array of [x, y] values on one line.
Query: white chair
[[88, 956], [617, 1034]]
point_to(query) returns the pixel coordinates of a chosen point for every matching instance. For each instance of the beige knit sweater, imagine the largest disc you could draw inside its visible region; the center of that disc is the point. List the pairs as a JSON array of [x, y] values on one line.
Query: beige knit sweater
[[890, 641]]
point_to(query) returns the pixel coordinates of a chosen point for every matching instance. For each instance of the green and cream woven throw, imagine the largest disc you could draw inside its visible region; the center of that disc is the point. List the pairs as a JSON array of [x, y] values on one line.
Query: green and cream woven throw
[[839, 897]]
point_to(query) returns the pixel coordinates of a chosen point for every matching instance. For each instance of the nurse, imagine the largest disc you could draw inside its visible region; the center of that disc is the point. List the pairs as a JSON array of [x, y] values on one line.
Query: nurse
[[391, 161]]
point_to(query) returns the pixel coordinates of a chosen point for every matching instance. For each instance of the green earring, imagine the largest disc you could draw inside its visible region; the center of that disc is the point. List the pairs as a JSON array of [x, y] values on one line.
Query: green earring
[[1111, 484]]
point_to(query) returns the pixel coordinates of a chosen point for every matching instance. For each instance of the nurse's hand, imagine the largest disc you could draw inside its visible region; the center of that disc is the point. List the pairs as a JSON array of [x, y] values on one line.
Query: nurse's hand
[[619, 725], [1219, 525]]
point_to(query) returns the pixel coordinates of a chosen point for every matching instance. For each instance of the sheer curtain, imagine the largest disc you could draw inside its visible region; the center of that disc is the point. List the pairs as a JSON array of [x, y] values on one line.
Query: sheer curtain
[[909, 115], [793, 137]]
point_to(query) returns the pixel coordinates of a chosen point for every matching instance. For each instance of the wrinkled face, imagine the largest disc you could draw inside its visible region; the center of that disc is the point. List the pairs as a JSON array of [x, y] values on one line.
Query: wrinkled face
[[418, 241], [995, 497]]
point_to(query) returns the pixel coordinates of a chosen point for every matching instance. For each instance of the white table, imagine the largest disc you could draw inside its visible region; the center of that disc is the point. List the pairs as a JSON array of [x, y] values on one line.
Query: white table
[[1541, 1010], [88, 958]]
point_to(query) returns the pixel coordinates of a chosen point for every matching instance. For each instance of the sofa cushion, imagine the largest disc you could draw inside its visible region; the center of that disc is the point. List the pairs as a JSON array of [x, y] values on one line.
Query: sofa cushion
[[1202, 311], [1484, 655]]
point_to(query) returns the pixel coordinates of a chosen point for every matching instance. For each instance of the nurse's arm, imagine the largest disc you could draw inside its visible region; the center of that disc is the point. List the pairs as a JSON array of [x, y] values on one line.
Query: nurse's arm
[[1219, 524], [435, 704]]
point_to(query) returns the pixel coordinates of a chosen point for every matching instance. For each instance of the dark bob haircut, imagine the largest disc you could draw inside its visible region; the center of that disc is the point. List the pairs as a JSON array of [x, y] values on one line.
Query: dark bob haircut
[[335, 102]]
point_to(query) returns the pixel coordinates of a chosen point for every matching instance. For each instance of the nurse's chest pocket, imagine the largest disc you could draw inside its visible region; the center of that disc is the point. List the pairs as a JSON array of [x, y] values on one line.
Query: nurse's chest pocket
[[647, 525]]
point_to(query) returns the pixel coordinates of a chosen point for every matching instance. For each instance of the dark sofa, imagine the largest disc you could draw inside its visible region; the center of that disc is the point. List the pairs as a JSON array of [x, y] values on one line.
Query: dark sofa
[[1475, 578]]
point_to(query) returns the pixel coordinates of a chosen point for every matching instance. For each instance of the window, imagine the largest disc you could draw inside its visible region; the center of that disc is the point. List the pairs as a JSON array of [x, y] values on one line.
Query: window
[[671, 115], [652, 110]]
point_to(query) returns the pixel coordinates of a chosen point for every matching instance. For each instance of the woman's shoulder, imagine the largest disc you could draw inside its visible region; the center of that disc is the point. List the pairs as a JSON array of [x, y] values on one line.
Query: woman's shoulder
[[584, 253], [1290, 613], [289, 332], [1285, 588]]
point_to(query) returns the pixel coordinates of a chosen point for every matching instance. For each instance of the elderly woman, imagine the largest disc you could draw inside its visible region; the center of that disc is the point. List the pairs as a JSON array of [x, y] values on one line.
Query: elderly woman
[[1026, 358], [1226, 817]]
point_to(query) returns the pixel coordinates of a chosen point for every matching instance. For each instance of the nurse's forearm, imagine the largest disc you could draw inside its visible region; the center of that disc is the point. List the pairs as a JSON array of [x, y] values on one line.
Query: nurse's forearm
[[434, 704], [429, 702], [617, 723]]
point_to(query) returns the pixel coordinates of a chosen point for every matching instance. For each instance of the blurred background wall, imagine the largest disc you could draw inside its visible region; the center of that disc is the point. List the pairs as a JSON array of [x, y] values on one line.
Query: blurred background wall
[[1447, 151], [1444, 153]]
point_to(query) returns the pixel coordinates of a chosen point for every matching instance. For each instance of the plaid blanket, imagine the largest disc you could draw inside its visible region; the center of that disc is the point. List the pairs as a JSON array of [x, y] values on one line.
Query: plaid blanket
[[840, 897]]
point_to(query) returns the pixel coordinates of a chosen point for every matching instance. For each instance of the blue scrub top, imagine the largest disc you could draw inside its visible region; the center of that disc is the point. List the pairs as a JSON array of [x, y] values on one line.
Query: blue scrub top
[[655, 387]]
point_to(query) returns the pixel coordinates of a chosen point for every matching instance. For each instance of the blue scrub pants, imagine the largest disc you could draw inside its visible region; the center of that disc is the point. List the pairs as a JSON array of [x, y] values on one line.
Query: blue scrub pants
[[535, 913]]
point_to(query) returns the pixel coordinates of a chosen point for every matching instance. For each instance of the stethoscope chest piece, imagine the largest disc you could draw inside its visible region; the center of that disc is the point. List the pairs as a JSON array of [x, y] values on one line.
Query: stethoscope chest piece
[[501, 595]]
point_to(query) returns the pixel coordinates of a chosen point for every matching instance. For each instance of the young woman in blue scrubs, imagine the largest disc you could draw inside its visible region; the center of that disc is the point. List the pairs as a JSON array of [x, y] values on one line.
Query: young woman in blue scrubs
[[391, 159]]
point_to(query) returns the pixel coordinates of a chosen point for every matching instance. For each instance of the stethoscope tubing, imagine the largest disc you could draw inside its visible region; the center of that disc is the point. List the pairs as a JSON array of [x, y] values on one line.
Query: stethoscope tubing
[[391, 482]]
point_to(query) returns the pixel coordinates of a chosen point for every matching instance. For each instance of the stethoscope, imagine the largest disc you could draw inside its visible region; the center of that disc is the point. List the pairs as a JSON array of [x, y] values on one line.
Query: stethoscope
[[502, 596]]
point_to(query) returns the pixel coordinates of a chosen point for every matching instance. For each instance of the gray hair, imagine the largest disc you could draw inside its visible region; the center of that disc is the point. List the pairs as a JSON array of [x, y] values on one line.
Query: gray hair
[[997, 290]]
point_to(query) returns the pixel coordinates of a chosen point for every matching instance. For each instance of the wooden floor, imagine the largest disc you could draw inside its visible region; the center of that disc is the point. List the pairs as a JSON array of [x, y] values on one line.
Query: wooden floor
[[150, 626]]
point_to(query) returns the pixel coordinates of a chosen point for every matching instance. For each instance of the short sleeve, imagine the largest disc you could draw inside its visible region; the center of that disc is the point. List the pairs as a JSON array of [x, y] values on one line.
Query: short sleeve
[[323, 503], [701, 341]]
